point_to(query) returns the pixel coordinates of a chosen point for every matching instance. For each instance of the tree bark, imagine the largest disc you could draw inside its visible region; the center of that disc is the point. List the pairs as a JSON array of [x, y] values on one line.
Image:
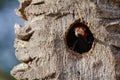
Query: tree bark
[[42, 48]]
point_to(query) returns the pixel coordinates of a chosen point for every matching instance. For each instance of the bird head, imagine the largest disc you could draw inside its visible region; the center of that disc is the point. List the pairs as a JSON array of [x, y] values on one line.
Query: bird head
[[80, 31]]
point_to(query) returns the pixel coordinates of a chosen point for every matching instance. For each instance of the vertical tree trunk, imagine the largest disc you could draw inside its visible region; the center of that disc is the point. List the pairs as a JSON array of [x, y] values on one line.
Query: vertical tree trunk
[[44, 44]]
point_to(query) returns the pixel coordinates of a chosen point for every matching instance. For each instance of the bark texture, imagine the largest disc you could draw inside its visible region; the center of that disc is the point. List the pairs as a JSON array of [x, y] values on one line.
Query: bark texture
[[41, 47]]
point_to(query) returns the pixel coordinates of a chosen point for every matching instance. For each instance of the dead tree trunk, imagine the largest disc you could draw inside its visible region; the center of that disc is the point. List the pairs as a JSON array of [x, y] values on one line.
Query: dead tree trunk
[[46, 44]]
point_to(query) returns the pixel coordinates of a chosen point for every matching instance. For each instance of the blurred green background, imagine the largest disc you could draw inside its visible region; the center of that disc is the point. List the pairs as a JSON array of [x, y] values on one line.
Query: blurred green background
[[7, 36]]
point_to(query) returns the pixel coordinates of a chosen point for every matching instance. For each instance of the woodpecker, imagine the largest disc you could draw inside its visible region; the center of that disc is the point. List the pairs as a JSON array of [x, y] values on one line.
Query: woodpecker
[[81, 39]]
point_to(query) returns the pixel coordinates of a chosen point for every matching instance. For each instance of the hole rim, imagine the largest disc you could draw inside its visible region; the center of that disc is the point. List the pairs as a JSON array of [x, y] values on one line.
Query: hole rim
[[72, 52]]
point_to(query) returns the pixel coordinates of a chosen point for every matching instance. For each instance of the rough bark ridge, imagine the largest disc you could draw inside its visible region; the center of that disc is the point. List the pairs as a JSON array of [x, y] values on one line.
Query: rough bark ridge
[[41, 48]]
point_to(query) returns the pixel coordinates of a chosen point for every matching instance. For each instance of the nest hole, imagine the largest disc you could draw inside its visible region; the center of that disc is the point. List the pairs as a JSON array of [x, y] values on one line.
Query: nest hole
[[79, 45]]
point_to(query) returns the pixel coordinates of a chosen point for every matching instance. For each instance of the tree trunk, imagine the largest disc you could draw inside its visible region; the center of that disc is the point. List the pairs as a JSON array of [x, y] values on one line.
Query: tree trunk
[[45, 44]]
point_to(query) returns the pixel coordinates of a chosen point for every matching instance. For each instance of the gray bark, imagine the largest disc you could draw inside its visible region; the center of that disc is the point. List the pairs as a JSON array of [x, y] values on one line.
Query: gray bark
[[42, 49]]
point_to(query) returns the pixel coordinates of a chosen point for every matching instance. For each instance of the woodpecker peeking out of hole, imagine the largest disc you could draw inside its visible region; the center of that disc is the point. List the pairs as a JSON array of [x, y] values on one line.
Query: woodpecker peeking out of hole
[[80, 31], [81, 35]]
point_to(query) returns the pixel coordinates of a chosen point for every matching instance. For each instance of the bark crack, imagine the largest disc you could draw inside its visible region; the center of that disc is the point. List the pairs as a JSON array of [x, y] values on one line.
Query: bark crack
[[50, 76], [57, 15]]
